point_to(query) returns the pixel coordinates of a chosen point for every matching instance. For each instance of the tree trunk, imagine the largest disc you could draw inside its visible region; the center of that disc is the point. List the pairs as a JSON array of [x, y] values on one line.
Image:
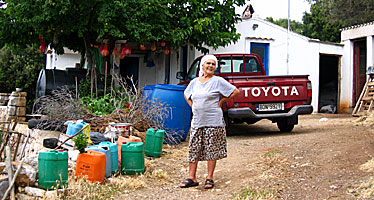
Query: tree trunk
[[91, 64]]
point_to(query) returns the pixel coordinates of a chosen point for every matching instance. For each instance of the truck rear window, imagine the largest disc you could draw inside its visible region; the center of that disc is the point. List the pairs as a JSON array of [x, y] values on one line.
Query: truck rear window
[[250, 65], [229, 64]]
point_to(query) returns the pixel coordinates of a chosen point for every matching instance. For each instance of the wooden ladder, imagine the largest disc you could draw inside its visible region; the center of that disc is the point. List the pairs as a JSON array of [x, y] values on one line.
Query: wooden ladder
[[365, 103]]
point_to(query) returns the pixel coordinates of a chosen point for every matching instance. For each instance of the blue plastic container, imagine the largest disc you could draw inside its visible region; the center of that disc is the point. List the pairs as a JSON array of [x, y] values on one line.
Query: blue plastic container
[[74, 127], [114, 154], [178, 121], [106, 150], [147, 92]]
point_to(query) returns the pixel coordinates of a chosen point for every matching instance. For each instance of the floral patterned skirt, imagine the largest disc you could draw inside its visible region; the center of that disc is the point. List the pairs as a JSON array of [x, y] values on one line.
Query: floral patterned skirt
[[207, 143]]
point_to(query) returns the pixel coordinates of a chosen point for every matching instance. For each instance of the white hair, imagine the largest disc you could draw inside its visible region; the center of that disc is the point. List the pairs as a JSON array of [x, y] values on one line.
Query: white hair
[[203, 60]]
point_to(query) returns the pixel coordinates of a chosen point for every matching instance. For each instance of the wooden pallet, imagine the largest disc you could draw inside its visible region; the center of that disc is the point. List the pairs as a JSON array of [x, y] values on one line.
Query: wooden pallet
[[365, 103]]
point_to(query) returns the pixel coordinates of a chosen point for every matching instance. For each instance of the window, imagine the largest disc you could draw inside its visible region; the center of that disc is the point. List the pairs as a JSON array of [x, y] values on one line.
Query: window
[[193, 70], [251, 65], [237, 64], [225, 64]]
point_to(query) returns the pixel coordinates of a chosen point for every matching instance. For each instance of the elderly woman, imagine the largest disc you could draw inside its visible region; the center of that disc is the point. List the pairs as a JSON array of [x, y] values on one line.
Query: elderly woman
[[206, 94]]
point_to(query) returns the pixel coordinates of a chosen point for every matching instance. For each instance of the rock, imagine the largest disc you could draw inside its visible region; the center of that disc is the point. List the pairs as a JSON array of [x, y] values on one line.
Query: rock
[[17, 101], [18, 94], [21, 111], [36, 192], [32, 123], [32, 160], [12, 110], [51, 195], [27, 175], [4, 184], [20, 196], [73, 155], [324, 119], [97, 137]]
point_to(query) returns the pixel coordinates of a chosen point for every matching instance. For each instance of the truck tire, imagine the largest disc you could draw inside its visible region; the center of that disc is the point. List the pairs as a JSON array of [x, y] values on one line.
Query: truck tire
[[284, 126]]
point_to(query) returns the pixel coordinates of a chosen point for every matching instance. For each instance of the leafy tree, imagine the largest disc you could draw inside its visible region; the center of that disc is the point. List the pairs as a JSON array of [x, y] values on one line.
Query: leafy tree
[[295, 26], [81, 24], [327, 17], [317, 25], [346, 12], [19, 68]]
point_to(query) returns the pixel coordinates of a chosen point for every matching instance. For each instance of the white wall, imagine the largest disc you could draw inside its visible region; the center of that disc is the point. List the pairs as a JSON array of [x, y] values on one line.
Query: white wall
[[346, 82], [66, 60]]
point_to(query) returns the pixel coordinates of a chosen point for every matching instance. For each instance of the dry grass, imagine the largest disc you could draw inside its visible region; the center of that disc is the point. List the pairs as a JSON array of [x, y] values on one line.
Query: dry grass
[[368, 166], [252, 193], [366, 189], [366, 120]]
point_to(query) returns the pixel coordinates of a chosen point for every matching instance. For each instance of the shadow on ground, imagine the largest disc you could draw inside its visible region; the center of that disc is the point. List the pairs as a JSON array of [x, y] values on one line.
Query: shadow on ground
[[262, 129]]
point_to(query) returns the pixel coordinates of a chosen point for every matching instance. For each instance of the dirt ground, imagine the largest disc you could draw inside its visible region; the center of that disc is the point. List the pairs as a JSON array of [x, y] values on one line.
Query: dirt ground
[[326, 156]]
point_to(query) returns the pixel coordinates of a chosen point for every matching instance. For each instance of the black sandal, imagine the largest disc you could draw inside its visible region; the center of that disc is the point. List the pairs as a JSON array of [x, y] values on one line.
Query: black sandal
[[189, 183], [209, 182]]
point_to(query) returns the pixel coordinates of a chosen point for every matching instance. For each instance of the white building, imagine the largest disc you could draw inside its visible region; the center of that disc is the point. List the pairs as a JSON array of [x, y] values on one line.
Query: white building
[[335, 76], [358, 56]]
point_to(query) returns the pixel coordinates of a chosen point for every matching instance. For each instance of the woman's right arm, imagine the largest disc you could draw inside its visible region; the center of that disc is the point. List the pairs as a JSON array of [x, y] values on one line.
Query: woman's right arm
[[189, 101]]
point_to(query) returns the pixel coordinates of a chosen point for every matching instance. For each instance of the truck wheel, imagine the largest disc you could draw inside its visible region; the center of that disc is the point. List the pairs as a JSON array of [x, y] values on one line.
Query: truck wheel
[[284, 126]]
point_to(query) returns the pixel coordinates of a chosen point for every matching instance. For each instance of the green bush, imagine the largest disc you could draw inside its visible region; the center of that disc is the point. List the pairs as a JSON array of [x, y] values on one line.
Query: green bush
[[81, 141], [19, 68], [100, 105]]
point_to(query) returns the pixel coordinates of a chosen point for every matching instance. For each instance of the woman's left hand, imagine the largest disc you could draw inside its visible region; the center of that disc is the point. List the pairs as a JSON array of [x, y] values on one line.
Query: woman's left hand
[[224, 99], [220, 103]]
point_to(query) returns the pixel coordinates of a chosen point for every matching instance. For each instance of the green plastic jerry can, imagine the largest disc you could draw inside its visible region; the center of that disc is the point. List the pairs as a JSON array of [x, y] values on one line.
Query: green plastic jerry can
[[53, 169], [153, 142], [132, 157]]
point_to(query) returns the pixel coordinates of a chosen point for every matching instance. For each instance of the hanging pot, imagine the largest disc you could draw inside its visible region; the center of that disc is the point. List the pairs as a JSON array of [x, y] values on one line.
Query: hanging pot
[[166, 51], [127, 50], [122, 54], [105, 51], [42, 46], [162, 43], [142, 47], [153, 46]]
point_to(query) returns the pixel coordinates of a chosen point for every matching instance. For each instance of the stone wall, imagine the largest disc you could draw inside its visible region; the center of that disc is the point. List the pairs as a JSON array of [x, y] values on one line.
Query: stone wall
[[13, 106]]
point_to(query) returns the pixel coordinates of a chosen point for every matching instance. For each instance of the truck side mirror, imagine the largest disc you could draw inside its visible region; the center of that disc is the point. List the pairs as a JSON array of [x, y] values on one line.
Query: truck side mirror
[[180, 75]]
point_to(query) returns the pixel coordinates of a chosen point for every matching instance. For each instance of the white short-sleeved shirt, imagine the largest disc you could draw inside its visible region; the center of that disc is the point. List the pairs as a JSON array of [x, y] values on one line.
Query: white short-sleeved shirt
[[205, 98]]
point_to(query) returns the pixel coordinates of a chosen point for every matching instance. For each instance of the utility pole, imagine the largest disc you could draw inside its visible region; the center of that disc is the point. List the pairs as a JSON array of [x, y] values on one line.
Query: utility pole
[[288, 38]]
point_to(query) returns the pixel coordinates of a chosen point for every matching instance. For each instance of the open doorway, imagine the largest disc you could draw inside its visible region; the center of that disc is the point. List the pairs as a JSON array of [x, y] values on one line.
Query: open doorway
[[129, 67], [328, 83]]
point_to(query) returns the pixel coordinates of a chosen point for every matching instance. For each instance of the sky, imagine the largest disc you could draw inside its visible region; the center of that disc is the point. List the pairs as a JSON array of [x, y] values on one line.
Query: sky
[[278, 8]]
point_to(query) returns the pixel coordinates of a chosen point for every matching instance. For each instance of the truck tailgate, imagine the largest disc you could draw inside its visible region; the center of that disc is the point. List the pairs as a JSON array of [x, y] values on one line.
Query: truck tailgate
[[262, 89]]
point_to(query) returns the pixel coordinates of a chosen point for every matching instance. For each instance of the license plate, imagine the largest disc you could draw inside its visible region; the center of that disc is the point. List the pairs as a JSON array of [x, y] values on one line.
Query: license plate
[[270, 106]]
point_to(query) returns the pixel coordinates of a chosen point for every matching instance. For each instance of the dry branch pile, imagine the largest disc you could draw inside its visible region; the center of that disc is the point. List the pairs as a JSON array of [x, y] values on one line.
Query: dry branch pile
[[63, 105]]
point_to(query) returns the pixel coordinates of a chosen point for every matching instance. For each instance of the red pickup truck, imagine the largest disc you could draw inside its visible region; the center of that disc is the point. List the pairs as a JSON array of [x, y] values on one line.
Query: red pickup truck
[[277, 98]]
